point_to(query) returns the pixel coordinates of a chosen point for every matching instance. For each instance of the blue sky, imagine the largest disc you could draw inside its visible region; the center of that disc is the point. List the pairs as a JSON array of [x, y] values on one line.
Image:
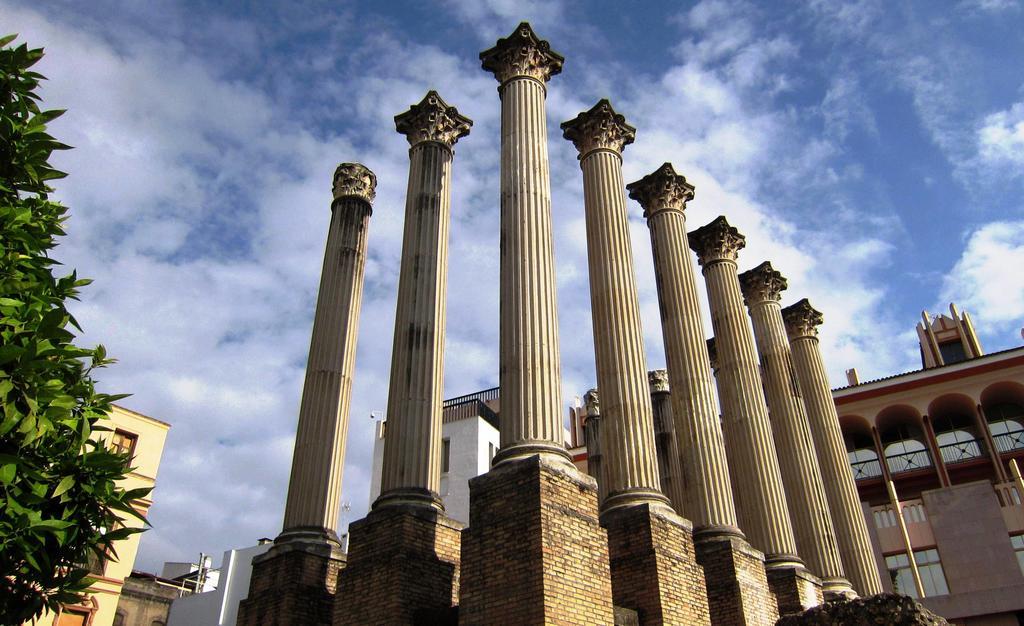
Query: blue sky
[[872, 150]]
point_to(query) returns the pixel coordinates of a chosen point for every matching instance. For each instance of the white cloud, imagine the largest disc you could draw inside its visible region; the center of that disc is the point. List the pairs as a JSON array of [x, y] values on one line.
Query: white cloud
[[987, 279], [1001, 138]]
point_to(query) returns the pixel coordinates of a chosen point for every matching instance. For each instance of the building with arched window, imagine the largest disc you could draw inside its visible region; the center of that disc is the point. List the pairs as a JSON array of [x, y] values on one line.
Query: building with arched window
[[943, 437]]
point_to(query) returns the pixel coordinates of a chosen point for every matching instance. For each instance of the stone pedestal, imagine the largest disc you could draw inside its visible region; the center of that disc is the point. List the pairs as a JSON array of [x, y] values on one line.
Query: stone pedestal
[[795, 589], [403, 568], [293, 584], [653, 565], [737, 588], [534, 552]]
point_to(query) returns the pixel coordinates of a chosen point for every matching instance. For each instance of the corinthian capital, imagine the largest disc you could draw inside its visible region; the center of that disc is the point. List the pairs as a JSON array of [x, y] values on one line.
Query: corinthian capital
[[658, 381], [662, 189], [355, 180], [432, 120], [762, 284], [717, 241], [802, 319], [600, 128], [522, 54], [593, 403]]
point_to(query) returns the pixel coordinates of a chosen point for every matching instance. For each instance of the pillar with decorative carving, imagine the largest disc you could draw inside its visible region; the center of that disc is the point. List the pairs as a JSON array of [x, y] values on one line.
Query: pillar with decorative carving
[[762, 287], [653, 566], [295, 581], [407, 521], [802, 321], [753, 462], [720, 546], [533, 517]]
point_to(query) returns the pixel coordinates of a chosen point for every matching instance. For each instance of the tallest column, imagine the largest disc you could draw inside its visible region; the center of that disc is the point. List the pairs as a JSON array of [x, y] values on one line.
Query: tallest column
[[530, 374], [534, 552]]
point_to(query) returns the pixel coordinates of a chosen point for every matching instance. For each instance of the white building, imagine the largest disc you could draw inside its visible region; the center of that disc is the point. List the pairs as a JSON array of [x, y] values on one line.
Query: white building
[[219, 607], [469, 440]]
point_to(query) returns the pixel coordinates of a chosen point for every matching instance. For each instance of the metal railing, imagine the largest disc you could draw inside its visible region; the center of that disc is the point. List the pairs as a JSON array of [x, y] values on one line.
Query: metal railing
[[870, 468], [482, 396], [961, 451], [908, 461], [1013, 440]]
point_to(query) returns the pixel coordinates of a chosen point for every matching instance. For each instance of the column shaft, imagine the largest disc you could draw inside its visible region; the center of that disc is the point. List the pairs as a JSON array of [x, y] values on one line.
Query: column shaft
[[752, 456], [530, 370], [698, 428], [840, 489], [670, 471], [412, 454], [805, 493], [314, 489], [627, 421]]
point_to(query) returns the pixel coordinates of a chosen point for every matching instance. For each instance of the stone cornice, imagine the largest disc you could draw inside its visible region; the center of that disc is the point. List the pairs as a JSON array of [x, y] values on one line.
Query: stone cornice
[[717, 241], [600, 128], [662, 189], [522, 54], [762, 284], [433, 120], [354, 180], [592, 402], [802, 319], [658, 381]]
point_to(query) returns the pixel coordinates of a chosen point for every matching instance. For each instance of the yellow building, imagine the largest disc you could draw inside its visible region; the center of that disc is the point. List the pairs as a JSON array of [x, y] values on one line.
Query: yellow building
[[143, 437]]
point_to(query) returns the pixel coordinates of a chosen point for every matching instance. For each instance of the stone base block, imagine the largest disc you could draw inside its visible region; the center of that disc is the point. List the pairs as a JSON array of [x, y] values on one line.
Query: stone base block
[[534, 552], [884, 608], [795, 589], [403, 568], [653, 565], [292, 584], [737, 585]]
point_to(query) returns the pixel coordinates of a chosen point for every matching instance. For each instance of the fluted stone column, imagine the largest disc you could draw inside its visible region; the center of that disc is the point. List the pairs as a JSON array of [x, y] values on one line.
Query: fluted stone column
[[805, 493], [753, 462], [663, 196], [802, 322], [406, 524], [533, 517], [653, 566], [529, 366], [670, 469], [411, 467], [307, 554], [736, 581], [627, 428]]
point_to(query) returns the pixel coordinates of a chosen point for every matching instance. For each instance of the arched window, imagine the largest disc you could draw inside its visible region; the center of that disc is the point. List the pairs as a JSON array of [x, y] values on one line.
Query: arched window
[[955, 435], [860, 450], [1006, 423], [904, 449]]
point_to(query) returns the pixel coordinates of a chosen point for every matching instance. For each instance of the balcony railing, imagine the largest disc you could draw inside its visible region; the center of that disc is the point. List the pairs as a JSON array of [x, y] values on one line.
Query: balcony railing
[[908, 461], [482, 396], [961, 451], [1006, 442], [870, 468]]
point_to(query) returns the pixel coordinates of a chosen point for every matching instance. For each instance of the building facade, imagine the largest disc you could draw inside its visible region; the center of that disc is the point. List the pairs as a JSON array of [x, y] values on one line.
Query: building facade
[[936, 445], [143, 438]]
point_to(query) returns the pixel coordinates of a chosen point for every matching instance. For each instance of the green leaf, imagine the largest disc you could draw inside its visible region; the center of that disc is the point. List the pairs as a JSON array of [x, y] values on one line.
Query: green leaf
[[65, 483]]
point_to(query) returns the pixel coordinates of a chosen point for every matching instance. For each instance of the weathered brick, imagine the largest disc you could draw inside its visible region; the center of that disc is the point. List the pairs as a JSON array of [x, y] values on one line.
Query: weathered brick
[[291, 585]]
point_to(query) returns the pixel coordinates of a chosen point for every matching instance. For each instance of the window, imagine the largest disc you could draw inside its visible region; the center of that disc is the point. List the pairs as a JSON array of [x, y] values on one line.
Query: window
[[933, 579], [119, 618], [446, 455], [123, 442], [952, 352], [1017, 541], [72, 617], [490, 452]]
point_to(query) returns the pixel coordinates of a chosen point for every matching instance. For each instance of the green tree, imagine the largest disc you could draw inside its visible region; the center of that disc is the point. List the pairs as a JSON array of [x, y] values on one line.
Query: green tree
[[60, 501]]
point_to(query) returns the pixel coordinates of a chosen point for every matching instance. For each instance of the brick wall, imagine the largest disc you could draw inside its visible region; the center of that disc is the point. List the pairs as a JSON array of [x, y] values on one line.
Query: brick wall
[[795, 589], [737, 586], [291, 585], [534, 552], [403, 568], [653, 566]]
